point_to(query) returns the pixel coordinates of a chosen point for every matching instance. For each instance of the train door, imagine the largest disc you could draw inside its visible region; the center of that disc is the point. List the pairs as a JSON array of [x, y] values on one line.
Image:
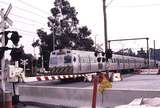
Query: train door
[[76, 64], [118, 64]]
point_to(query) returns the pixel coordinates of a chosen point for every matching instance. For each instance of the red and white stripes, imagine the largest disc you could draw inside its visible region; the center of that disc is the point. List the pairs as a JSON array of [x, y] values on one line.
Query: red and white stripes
[[148, 71], [54, 77]]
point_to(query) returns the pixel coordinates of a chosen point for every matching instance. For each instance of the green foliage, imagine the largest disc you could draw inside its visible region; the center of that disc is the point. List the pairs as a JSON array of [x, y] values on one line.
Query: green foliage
[[64, 25], [15, 37], [17, 53], [67, 33], [141, 53]]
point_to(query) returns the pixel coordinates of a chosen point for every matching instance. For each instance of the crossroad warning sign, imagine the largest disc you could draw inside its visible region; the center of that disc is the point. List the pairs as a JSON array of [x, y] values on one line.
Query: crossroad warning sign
[[104, 84]]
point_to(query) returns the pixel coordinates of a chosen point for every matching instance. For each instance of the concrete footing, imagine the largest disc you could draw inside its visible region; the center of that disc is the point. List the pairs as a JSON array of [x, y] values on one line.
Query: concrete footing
[[6, 99], [82, 97]]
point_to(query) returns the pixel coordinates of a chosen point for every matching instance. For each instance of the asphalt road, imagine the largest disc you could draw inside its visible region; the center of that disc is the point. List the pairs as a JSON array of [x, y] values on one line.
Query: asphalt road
[[68, 84], [122, 92]]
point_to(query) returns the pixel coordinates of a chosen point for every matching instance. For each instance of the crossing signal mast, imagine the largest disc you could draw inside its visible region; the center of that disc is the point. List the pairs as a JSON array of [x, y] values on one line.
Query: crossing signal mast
[[3, 26], [15, 37]]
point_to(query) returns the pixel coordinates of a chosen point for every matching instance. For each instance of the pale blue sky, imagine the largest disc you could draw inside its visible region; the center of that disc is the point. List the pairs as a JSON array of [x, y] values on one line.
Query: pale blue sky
[[125, 19]]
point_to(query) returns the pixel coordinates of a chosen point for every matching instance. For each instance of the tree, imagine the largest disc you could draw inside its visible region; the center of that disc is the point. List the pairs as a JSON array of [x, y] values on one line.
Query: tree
[[141, 53], [64, 27], [29, 65]]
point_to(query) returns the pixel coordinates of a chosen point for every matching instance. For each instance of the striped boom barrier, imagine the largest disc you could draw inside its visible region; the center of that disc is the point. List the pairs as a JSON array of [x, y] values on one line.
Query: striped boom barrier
[[54, 77], [153, 71]]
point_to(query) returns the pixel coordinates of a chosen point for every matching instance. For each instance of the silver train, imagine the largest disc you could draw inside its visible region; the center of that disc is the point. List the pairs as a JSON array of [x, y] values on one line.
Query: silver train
[[66, 61]]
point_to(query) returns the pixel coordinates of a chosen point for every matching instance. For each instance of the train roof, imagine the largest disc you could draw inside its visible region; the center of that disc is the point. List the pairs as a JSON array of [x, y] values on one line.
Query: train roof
[[63, 51]]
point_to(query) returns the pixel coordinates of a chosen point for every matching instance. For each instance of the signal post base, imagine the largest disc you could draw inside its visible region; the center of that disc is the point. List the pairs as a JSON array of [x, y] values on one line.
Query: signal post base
[[6, 99]]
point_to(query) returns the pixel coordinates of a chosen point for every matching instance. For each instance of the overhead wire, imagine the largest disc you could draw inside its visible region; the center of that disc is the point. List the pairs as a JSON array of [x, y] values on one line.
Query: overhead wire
[[37, 22], [27, 18], [109, 3], [133, 6], [23, 22], [26, 31], [33, 7], [28, 24], [31, 12], [22, 9]]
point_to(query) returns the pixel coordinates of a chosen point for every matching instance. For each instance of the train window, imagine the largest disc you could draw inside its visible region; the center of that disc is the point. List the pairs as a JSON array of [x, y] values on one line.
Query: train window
[[68, 51], [109, 60], [67, 59], [85, 60], [93, 60], [96, 54], [74, 59], [114, 60], [60, 53], [120, 60], [53, 53]]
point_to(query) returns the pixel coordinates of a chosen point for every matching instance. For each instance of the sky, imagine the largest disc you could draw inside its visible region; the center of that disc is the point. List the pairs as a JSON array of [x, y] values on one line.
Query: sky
[[125, 19]]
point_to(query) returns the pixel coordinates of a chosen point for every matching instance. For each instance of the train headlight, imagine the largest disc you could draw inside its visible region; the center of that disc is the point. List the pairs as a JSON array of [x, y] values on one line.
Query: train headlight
[[99, 59], [103, 59]]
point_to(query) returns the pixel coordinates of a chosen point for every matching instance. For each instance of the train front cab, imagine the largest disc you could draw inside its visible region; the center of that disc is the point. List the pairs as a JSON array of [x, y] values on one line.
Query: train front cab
[[61, 62]]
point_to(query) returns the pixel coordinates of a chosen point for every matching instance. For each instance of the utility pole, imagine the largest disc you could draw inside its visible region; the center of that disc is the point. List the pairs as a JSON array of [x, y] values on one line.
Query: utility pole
[[154, 52], [3, 26], [34, 48], [53, 39], [147, 52], [105, 25]]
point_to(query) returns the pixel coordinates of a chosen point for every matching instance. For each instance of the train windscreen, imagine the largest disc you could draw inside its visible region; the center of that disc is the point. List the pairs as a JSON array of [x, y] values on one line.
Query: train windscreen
[[67, 59], [60, 60], [53, 60]]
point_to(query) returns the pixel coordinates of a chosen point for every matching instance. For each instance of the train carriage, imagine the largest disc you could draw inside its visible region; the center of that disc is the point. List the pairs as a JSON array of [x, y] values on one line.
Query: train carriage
[[66, 61]]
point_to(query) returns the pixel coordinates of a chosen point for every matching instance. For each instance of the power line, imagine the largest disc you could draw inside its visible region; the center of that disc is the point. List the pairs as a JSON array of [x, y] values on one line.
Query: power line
[[27, 35], [21, 9], [30, 12], [109, 3], [23, 22], [133, 6], [27, 19], [26, 23], [4, 2], [33, 7], [35, 21], [26, 31]]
